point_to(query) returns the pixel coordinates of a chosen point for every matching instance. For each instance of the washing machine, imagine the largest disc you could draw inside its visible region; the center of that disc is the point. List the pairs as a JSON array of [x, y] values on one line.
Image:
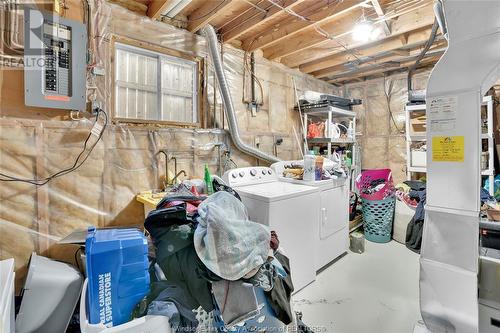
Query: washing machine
[[291, 210], [332, 238]]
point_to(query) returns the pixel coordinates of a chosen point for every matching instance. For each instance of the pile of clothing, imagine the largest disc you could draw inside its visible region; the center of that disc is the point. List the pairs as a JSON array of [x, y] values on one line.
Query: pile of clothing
[[315, 130], [403, 194], [210, 263], [330, 170], [294, 170], [377, 185]]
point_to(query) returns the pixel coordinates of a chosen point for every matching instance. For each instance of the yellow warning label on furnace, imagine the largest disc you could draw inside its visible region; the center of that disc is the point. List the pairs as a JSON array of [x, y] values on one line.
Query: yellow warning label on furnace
[[447, 148]]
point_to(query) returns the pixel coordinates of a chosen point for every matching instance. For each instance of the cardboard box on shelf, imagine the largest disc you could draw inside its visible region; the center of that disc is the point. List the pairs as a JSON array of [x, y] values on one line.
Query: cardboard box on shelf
[[417, 123]]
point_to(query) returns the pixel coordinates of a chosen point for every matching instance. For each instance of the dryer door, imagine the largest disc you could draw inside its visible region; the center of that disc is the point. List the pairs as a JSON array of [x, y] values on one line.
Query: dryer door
[[334, 213]]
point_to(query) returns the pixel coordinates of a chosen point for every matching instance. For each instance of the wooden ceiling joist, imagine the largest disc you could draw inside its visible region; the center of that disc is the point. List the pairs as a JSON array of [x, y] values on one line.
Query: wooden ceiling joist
[[207, 12], [430, 58], [239, 12], [252, 9], [426, 63], [401, 52], [134, 6], [314, 36], [320, 48], [156, 7], [386, 58], [257, 18], [381, 15], [298, 27], [311, 37], [322, 67]]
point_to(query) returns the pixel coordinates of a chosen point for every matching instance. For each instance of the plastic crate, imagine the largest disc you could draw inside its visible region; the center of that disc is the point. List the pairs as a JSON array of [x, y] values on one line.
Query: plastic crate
[[378, 216], [117, 271]]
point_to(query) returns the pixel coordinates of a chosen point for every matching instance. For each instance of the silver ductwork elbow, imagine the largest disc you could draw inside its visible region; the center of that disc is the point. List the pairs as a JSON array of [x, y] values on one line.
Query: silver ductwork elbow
[[211, 38]]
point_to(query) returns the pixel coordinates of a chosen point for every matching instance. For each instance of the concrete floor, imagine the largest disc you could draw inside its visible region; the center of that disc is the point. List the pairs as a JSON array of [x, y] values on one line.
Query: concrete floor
[[373, 292]]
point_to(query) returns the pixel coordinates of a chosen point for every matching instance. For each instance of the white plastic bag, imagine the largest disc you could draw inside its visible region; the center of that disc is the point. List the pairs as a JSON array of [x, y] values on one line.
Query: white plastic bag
[[227, 242]]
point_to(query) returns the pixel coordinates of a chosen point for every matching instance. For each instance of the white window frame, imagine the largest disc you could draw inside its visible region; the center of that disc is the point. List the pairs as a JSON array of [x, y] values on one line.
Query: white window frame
[[160, 90]]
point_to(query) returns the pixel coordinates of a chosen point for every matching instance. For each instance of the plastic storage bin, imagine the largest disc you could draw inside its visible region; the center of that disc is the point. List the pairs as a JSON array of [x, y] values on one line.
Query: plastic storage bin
[[418, 158], [149, 324], [377, 219], [117, 271], [50, 294]]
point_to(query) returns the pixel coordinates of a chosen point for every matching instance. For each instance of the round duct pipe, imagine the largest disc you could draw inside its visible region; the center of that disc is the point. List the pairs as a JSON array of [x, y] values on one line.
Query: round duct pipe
[[211, 37]]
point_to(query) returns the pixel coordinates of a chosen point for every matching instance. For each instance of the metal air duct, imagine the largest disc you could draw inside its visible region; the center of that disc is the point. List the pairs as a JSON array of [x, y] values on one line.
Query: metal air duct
[[211, 37]]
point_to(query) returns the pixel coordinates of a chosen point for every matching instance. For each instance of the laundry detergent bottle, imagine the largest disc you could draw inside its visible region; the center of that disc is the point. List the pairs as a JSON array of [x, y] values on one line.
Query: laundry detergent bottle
[[309, 165], [350, 131]]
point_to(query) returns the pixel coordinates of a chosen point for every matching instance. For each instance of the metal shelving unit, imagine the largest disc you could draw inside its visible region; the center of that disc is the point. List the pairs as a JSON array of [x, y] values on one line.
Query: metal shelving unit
[[330, 140], [489, 135], [412, 138], [329, 112]]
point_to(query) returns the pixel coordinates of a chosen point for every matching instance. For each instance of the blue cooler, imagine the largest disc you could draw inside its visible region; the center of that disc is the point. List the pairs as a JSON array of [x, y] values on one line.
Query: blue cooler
[[117, 272]]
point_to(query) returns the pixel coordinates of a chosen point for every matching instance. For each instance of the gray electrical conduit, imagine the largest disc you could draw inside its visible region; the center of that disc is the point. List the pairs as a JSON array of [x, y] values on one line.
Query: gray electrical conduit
[[211, 37]]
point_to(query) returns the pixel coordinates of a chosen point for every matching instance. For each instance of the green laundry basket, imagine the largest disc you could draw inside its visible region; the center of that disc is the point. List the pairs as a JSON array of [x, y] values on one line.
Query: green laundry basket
[[377, 219]]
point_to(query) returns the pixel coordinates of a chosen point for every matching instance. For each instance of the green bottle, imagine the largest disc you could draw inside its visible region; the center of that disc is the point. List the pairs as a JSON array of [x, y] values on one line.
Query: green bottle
[[208, 181]]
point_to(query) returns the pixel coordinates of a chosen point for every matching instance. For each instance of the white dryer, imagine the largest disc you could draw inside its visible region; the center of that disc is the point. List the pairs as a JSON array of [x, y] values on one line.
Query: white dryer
[[332, 238], [289, 209]]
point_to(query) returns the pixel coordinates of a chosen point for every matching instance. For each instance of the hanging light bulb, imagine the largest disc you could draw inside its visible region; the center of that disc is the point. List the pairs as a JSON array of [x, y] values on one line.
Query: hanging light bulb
[[362, 31]]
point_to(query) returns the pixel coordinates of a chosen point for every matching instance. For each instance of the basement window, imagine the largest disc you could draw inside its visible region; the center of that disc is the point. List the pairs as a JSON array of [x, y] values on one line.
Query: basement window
[[154, 87]]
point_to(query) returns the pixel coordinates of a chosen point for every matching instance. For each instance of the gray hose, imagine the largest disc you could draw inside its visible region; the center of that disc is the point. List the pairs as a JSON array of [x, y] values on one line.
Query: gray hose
[[211, 37], [427, 46]]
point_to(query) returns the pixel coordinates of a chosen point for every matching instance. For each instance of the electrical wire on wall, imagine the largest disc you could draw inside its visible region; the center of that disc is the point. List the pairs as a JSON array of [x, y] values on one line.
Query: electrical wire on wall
[[247, 68], [97, 130], [87, 17], [228, 162], [388, 96]]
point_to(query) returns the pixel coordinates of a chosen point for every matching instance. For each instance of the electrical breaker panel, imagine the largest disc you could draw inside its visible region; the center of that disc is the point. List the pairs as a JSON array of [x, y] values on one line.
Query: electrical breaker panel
[[57, 74], [54, 61]]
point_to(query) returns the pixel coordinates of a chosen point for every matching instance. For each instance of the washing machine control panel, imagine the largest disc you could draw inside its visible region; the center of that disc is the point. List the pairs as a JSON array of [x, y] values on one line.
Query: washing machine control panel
[[249, 176]]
